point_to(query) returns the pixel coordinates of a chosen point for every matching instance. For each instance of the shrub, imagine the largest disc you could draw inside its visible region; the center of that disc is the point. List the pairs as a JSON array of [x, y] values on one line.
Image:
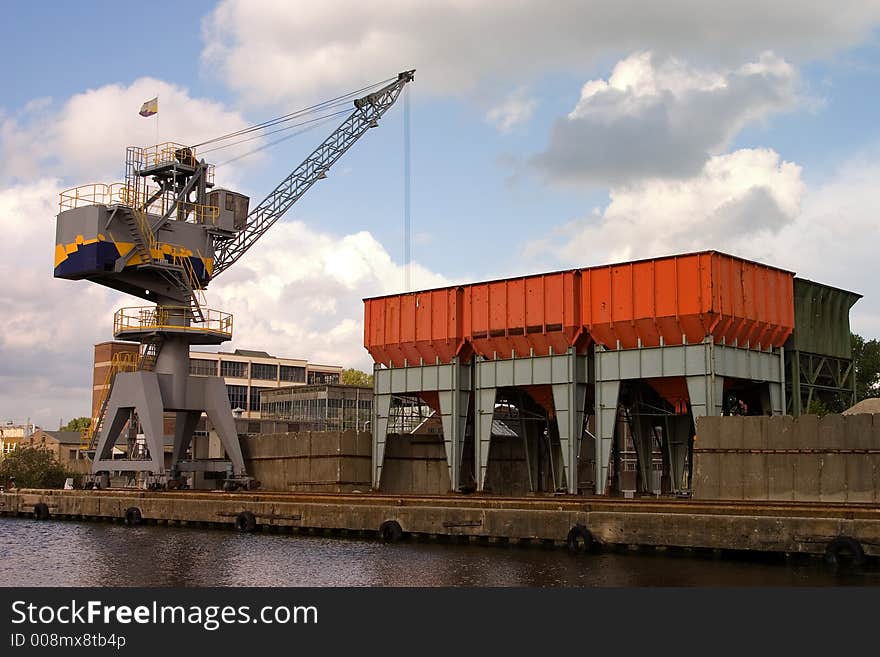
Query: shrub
[[33, 467]]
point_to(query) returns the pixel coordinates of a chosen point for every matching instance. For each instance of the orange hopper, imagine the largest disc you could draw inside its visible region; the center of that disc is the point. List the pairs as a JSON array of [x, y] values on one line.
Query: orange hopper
[[681, 298]]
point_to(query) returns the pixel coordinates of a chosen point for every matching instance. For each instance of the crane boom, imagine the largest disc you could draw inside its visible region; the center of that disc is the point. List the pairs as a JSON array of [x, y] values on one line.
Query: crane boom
[[368, 110]]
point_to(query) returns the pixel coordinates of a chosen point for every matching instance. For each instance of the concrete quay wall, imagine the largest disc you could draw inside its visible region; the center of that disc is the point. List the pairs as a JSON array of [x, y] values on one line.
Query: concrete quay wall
[[835, 458], [769, 527]]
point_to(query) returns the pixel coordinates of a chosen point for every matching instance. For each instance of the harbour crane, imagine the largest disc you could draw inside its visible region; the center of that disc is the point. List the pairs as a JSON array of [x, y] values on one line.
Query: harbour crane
[[162, 235]]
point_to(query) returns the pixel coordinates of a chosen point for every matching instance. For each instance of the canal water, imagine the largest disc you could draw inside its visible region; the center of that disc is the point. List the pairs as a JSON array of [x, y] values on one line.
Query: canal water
[[73, 553]]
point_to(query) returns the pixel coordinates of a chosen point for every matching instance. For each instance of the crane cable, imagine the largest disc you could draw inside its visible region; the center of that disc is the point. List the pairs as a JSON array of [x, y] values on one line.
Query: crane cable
[[272, 132], [277, 141], [407, 217], [319, 107]]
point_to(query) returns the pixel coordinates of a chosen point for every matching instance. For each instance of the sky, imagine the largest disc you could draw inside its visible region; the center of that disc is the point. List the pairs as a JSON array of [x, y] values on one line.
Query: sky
[[542, 137]]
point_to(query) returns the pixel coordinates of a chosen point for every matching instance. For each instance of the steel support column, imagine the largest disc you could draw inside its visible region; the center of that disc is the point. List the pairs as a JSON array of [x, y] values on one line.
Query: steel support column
[[567, 376], [704, 367], [484, 413], [452, 384], [706, 395], [569, 401], [453, 415], [381, 411], [607, 393]]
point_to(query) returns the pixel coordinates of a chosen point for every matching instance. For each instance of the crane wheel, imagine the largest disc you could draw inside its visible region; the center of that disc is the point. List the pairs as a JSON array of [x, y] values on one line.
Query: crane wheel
[[41, 511], [580, 539], [133, 516], [391, 531], [845, 551], [245, 522]]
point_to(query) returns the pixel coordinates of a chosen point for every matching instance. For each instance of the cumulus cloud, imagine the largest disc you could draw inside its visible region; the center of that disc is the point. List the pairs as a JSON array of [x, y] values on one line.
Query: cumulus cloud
[[661, 118], [517, 108], [834, 238], [269, 53], [84, 138], [739, 202], [749, 203]]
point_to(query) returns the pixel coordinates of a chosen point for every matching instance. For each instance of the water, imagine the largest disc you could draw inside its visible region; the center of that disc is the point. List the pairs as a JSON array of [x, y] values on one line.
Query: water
[[73, 553]]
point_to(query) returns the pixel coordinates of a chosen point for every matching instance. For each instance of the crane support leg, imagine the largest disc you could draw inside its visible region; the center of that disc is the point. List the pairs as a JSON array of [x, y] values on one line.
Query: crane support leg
[[138, 391], [220, 416]]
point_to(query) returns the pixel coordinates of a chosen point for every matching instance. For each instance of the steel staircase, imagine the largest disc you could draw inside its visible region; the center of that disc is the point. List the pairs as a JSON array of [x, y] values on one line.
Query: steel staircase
[[150, 354]]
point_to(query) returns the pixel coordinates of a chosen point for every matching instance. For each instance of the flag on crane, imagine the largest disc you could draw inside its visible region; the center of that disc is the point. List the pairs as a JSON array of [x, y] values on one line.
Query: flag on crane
[[150, 107]]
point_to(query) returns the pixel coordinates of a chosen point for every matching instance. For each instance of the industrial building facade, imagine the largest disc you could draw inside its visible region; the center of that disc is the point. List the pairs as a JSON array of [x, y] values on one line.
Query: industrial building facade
[[319, 407], [610, 365], [246, 373]]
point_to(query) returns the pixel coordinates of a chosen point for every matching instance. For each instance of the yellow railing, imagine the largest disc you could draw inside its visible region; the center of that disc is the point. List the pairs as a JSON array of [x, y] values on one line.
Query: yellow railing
[[121, 362], [169, 152], [153, 318], [194, 283], [143, 223], [200, 214], [120, 194], [93, 194]]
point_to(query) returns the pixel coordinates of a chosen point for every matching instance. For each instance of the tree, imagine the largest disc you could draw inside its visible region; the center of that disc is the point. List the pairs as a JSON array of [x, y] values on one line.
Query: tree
[[33, 467], [77, 424], [866, 362], [353, 377]]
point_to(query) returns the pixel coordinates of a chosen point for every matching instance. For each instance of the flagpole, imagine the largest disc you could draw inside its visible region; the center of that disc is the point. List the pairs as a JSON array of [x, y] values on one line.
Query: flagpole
[[157, 120]]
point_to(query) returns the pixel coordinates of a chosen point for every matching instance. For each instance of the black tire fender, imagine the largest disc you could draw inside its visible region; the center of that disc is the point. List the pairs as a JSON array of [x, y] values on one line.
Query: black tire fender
[[41, 511], [845, 550], [580, 539], [246, 522], [133, 516], [391, 531]]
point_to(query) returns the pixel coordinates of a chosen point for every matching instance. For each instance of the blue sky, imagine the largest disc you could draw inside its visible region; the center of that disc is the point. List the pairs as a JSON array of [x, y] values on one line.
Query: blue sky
[[748, 128]]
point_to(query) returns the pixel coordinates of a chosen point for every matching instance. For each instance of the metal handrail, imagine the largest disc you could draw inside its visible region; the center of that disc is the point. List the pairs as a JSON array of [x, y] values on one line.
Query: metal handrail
[[153, 318], [134, 197], [93, 194], [168, 151]]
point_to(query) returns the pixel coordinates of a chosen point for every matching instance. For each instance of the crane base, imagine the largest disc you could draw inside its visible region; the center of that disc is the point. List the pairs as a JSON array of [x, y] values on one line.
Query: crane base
[[150, 394]]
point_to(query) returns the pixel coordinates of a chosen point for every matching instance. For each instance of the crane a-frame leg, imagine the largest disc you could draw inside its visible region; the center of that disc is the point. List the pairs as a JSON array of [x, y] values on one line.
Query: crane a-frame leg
[[151, 394]]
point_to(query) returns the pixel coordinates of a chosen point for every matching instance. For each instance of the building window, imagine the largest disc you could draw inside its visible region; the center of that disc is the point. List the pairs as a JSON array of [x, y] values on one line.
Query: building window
[[233, 368], [293, 374], [264, 372], [255, 398], [323, 378], [237, 396], [202, 367]]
